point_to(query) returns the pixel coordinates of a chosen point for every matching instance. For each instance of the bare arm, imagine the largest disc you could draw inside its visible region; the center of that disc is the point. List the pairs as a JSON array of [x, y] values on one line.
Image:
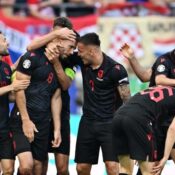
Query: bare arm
[[143, 74], [163, 80], [27, 124], [124, 92], [170, 140], [18, 85], [56, 106], [20, 97], [15, 86], [6, 89], [64, 80], [52, 55], [57, 33]]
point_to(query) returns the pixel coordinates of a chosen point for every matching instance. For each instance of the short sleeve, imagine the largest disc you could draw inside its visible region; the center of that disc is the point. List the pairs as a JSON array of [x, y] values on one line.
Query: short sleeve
[[162, 66], [119, 75], [27, 63]]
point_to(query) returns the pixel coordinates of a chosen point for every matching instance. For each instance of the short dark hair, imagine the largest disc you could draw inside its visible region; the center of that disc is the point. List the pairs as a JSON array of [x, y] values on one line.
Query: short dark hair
[[76, 35], [90, 39], [62, 22]]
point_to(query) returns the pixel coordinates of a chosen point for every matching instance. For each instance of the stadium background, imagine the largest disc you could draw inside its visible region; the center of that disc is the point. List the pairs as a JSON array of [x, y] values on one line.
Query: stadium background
[[149, 36]]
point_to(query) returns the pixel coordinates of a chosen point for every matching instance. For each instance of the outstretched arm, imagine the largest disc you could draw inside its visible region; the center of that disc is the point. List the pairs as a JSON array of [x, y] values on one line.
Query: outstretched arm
[[15, 86], [143, 74], [41, 41]]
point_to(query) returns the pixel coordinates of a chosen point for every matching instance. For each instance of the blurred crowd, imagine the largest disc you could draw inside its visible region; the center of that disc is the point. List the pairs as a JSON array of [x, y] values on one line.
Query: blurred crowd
[[49, 9]]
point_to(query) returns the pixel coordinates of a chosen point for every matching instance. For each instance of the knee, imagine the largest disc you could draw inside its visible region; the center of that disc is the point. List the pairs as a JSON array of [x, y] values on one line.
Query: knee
[[83, 169], [8, 171], [25, 170], [112, 167], [80, 169], [62, 170]]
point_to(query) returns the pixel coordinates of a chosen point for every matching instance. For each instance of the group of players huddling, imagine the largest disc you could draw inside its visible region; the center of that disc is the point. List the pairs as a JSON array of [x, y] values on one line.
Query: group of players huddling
[[127, 129]]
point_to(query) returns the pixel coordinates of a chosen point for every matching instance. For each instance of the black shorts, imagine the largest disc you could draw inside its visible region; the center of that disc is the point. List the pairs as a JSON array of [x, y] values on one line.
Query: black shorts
[[91, 136], [6, 146], [134, 138], [64, 147], [40, 144]]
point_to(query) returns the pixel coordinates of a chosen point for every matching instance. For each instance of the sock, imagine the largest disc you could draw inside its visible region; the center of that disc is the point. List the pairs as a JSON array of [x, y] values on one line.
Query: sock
[[18, 173], [139, 172]]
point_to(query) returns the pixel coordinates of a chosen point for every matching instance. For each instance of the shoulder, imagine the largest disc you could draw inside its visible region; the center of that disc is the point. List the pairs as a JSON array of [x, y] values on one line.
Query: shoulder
[[6, 68], [4, 64]]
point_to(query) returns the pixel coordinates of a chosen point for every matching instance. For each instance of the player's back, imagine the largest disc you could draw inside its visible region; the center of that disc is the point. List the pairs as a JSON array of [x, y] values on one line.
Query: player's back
[[151, 103]]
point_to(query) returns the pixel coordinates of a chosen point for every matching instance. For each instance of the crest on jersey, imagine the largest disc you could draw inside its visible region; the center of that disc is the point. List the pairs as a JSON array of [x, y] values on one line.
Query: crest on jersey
[[161, 68], [100, 74], [6, 71], [26, 64]]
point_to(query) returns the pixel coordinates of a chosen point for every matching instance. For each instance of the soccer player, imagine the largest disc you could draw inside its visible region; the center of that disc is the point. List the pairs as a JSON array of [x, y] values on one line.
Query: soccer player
[[106, 88], [65, 71], [30, 121], [161, 73], [134, 131], [6, 148]]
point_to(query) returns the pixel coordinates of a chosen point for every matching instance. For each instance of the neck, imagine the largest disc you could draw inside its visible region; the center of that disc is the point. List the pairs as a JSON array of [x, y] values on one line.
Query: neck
[[98, 59], [0, 57]]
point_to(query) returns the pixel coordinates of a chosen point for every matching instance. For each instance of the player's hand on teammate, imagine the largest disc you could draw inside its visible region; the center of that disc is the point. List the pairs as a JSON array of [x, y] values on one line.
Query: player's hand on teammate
[[65, 33], [157, 169], [20, 84], [57, 139], [52, 52], [29, 129], [127, 51]]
